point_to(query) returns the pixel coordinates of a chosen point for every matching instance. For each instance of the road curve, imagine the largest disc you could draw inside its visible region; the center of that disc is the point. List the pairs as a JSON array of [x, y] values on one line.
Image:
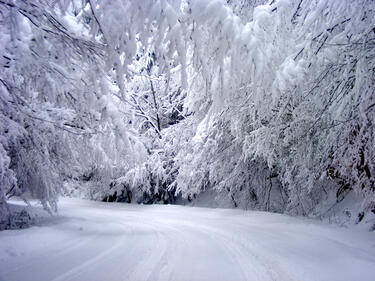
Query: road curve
[[99, 241]]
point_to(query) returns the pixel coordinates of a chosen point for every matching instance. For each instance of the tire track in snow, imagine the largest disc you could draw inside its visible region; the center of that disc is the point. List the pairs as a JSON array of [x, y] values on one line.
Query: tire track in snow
[[251, 264], [250, 261], [77, 270], [154, 260]]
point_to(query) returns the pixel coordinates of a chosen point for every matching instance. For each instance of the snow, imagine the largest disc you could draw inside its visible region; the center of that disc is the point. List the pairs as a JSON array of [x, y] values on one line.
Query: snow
[[109, 241]]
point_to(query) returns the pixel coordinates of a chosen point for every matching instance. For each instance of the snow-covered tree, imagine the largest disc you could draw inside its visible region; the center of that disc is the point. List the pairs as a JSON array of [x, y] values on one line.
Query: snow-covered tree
[[269, 104], [60, 119]]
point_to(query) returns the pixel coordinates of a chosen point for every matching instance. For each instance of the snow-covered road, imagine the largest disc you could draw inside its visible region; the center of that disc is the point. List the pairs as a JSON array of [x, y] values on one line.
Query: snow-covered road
[[99, 241]]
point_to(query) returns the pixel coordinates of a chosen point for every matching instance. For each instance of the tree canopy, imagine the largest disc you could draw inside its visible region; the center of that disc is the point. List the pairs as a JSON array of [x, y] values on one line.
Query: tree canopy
[[260, 104]]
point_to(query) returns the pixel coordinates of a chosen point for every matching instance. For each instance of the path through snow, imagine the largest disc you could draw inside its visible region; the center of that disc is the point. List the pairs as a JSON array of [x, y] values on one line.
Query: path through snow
[[99, 241]]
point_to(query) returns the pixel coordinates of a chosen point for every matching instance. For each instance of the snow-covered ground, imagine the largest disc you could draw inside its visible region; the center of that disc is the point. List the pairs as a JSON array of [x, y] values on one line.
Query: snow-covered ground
[[99, 241]]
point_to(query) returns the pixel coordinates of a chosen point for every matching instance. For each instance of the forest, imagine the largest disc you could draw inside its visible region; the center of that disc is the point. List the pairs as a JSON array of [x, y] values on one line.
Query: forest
[[256, 105]]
